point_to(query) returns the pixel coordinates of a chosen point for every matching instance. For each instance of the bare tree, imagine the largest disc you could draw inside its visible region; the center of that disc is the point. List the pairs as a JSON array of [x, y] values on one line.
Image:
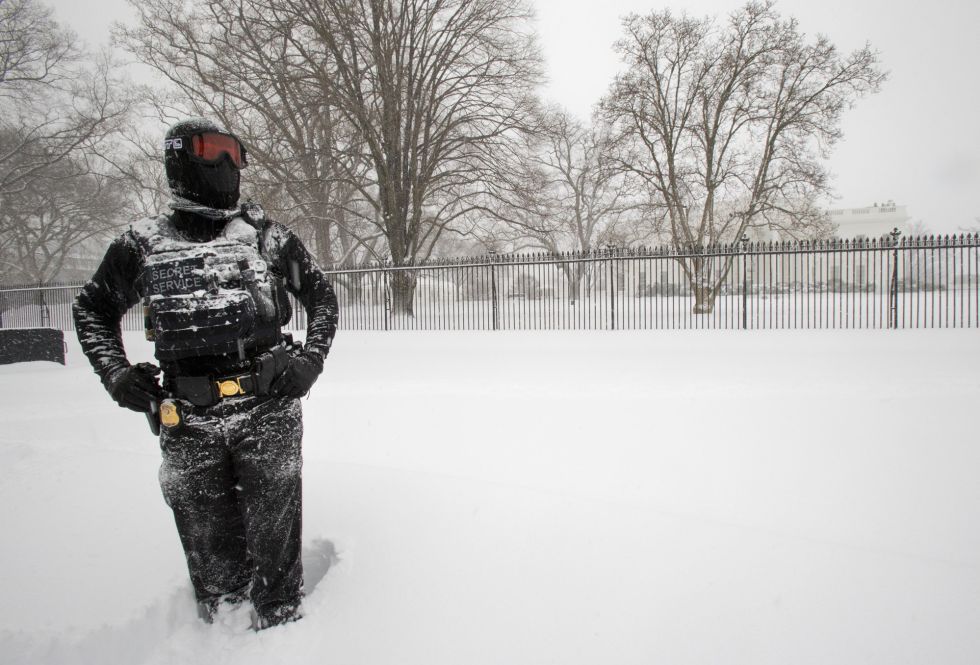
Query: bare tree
[[437, 90], [569, 194], [53, 215], [727, 124], [139, 170], [55, 101], [60, 110]]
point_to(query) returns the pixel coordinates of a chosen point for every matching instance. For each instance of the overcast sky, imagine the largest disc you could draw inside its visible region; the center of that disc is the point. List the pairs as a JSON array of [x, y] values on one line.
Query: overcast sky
[[916, 142]]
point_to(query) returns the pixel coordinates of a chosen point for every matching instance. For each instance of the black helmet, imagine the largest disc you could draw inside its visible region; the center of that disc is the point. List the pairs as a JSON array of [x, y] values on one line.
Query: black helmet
[[203, 161]]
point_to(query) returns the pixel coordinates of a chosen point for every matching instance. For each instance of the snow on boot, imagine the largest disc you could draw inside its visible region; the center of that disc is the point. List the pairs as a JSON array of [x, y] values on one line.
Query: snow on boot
[[275, 616], [208, 607]]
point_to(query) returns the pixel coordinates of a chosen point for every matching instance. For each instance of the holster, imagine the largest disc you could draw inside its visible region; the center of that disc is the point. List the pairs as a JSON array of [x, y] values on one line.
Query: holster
[[198, 390], [268, 366]]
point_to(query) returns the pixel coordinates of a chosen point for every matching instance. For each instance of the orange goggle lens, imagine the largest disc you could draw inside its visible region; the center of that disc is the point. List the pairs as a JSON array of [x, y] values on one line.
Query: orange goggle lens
[[210, 147]]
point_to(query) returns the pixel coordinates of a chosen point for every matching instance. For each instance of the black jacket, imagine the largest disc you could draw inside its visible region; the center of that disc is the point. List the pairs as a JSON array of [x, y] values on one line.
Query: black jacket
[[117, 286]]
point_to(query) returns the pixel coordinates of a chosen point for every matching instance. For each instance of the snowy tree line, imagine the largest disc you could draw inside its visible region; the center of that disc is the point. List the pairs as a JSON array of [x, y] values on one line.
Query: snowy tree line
[[401, 130]]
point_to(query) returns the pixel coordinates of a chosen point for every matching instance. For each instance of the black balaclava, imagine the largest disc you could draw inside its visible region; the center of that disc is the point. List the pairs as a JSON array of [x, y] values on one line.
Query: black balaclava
[[211, 185]]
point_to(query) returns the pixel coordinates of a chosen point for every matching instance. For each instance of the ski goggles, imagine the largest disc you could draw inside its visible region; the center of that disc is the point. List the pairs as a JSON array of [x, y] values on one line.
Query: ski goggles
[[210, 147]]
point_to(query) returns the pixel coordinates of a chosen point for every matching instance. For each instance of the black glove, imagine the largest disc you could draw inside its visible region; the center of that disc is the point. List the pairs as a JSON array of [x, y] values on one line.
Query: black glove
[[299, 375], [134, 387]]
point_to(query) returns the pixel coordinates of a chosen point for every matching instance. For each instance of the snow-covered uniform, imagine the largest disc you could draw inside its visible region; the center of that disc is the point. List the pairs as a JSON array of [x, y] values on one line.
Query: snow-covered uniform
[[214, 294]]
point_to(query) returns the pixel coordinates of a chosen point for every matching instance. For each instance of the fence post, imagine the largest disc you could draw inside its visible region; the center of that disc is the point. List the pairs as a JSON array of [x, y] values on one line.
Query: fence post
[[612, 287], [893, 296], [745, 281], [493, 288], [387, 287]]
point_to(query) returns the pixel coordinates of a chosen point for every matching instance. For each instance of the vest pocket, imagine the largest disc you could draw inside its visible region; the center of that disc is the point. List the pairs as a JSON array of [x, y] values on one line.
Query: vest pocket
[[185, 327]]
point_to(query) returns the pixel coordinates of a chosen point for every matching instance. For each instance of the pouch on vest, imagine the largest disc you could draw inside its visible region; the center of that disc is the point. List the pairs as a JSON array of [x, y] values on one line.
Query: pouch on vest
[[211, 325]]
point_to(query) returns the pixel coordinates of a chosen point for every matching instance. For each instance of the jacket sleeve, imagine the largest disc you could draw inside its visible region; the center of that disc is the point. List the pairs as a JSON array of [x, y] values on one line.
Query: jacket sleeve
[[99, 308], [310, 286]]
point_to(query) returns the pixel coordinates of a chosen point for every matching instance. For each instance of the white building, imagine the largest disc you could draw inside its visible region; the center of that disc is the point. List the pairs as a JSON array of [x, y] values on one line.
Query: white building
[[871, 222]]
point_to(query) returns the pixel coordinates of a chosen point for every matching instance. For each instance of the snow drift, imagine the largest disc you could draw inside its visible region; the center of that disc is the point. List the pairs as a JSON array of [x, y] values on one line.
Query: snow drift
[[688, 497]]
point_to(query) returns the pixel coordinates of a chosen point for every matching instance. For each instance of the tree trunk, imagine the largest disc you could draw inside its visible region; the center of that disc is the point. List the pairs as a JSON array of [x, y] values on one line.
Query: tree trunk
[[403, 283], [45, 312], [355, 287], [573, 275], [704, 299], [321, 232], [705, 277], [704, 285]]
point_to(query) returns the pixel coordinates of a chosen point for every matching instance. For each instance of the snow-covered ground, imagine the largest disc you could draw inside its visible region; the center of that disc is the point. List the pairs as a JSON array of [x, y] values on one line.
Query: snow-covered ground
[[524, 498]]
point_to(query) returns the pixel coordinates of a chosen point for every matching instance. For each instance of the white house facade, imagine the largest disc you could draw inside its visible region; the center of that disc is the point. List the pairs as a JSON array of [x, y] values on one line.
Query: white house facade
[[871, 222]]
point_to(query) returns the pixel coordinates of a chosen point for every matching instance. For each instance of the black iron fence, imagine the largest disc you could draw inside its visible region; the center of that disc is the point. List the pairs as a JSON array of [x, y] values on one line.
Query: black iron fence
[[880, 283], [892, 282]]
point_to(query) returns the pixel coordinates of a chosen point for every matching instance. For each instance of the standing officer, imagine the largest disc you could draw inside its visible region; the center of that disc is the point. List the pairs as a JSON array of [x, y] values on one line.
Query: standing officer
[[213, 278]]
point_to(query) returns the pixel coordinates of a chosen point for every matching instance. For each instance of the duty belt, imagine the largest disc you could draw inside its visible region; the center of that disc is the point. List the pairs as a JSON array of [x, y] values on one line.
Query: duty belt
[[208, 390]]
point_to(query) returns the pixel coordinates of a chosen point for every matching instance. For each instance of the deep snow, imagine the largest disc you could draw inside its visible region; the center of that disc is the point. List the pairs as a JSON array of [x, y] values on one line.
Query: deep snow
[[575, 497]]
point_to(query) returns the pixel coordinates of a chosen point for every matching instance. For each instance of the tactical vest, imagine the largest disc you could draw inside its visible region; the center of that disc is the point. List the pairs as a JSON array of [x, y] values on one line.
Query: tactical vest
[[209, 298]]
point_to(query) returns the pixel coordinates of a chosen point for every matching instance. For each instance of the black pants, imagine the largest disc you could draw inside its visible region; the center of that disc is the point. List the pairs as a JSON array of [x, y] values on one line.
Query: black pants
[[231, 475]]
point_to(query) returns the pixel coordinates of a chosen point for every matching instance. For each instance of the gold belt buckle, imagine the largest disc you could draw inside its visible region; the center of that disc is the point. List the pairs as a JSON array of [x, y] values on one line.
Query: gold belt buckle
[[230, 387]]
